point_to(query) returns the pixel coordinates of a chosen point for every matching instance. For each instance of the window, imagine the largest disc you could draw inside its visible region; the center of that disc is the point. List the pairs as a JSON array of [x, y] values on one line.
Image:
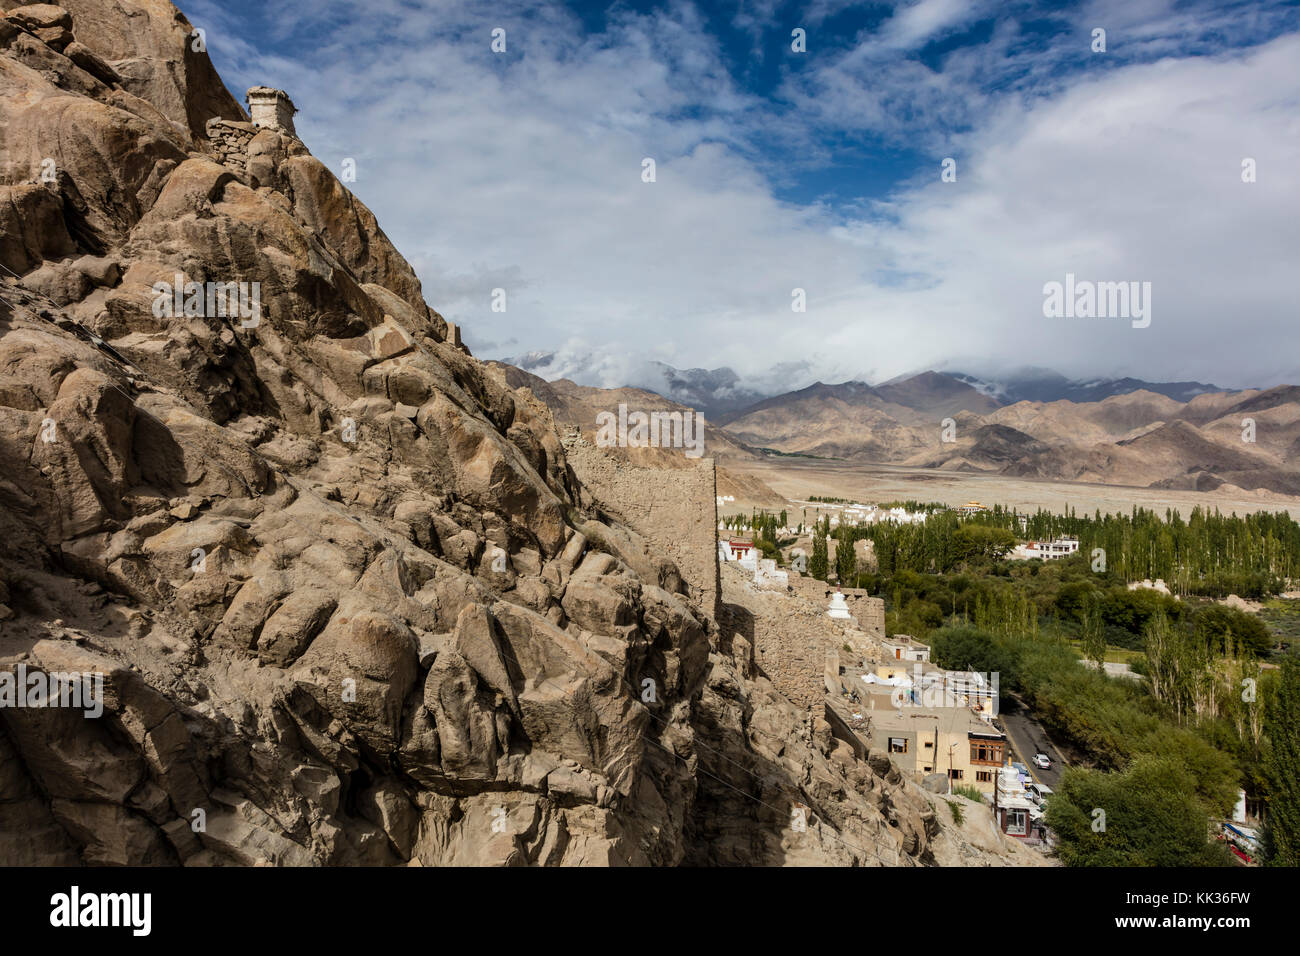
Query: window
[[984, 776], [955, 774], [987, 752], [898, 745], [1017, 822], [929, 744]]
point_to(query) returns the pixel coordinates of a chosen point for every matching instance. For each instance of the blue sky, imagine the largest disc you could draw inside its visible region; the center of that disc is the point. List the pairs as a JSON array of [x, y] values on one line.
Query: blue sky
[[820, 170]]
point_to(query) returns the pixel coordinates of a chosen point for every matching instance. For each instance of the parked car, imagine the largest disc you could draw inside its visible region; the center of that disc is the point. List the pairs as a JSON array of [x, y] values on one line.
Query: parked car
[[1039, 792], [1021, 769], [1042, 761]]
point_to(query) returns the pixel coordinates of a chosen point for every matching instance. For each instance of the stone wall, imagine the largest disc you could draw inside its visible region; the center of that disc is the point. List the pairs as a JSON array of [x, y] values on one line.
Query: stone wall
[[675, 509], [855, 733], [799, 647], [868, 611], [792, 651], [229, 139], [796, 645]]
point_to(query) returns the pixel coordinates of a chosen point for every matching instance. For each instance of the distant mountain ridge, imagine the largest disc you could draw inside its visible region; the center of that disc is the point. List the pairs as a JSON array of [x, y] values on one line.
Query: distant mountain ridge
[[1248, 440], [1044, 385], [1124, 431], [578, 406], [932, 393], [713, 391], [722, 393]]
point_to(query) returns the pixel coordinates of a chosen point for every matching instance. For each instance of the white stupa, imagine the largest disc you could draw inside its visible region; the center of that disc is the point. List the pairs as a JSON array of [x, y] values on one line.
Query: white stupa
[[838, 608]]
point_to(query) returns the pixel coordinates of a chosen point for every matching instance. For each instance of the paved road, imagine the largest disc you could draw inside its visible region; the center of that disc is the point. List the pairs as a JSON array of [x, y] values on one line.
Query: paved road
[[1028, 738]]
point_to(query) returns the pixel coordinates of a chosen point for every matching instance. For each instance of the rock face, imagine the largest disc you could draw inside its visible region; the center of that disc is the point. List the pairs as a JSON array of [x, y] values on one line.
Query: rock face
[[329, 569]]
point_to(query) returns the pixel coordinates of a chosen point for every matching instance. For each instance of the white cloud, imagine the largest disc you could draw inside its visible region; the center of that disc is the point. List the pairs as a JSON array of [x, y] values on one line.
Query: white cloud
[[924, 20], [524, 171]]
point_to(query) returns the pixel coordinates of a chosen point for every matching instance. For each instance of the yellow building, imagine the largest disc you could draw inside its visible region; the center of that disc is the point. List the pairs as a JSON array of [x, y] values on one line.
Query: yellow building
[[953, 741]]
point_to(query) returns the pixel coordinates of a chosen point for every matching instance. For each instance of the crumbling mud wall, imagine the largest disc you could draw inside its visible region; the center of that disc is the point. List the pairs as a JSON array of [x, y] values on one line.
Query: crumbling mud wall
[[792, 653], [795, 640], [868, 611]]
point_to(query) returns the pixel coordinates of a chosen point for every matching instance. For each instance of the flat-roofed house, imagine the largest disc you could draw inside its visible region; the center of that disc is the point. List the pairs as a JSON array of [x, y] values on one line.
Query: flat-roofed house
[[1046, 550], [903, 647], [950, 740]]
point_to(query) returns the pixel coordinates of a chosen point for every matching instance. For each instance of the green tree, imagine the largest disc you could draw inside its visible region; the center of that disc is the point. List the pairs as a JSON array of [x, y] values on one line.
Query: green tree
[[1092, 639], [1162, 657], [1145, 816], [846, 562], [1228, 631], [1282, 766], [818, 565]]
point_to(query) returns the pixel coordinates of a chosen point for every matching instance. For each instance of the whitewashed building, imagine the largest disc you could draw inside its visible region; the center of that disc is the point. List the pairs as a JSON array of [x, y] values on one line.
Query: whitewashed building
[[768, 575], [742, 553], [1046, 550]]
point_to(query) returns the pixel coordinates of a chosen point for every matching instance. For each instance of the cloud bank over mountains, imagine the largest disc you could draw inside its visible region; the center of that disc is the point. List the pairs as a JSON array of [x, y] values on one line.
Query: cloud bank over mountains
[[778, 171]]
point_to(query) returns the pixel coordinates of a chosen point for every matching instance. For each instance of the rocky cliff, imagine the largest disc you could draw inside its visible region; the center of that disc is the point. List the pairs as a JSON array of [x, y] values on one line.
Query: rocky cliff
[[336, 576]]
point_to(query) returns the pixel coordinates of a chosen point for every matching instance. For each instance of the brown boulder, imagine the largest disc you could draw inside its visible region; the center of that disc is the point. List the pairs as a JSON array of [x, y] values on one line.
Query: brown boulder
[[294, 625], [50, 24], [153, 47]]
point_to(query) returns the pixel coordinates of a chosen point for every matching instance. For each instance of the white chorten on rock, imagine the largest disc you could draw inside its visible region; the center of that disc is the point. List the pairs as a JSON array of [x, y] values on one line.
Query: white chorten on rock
[[767, 575], [838, 608], [271, 109]]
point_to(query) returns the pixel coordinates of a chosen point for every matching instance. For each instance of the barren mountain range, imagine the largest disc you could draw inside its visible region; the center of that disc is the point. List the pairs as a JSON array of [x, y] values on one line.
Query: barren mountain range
[[1245, 439], [1216, 439]]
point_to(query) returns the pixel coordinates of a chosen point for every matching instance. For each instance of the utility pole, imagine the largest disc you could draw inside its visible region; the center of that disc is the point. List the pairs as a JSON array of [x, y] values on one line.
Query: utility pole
[[997, 785]]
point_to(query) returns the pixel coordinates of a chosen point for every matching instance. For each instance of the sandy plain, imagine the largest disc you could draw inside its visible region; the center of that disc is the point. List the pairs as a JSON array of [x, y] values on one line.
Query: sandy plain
[[798, 478]]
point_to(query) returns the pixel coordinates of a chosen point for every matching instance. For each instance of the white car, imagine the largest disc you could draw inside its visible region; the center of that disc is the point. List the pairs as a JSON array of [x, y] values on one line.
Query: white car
[[1042, 761], [1039, 792]]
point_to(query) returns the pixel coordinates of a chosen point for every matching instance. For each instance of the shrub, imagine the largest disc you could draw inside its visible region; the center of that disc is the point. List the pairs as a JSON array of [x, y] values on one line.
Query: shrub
[[969, 792]]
